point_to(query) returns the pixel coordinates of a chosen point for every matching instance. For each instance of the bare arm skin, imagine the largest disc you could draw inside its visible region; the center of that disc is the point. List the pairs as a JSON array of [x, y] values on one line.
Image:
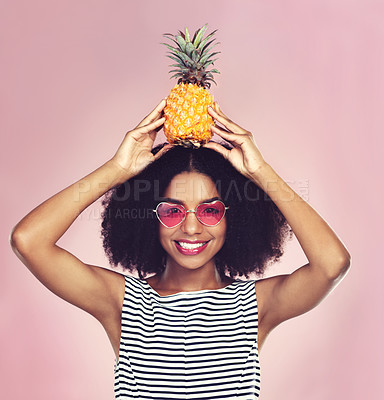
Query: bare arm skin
[[286, 296], [34, 238], [328, 260]]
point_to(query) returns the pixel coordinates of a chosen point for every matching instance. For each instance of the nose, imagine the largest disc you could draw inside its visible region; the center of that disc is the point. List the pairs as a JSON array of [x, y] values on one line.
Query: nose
[[191, 225]]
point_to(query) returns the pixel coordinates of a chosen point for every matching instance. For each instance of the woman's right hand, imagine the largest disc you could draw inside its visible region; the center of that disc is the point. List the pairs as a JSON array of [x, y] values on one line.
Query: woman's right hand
[[134, 153]]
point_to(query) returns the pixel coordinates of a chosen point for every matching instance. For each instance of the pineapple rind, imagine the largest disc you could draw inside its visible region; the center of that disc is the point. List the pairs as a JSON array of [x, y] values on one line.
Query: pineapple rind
[[187, 121]]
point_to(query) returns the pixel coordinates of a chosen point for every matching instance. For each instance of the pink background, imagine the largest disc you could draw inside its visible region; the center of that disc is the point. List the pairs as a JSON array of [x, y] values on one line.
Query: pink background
[[306, 77]]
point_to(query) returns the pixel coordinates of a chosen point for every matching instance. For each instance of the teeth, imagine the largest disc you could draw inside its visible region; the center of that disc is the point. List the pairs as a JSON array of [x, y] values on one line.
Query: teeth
[[190, 246]]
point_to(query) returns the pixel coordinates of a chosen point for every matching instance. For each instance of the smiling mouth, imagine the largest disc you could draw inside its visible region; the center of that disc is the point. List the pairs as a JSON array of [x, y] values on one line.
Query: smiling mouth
[[191, 246]]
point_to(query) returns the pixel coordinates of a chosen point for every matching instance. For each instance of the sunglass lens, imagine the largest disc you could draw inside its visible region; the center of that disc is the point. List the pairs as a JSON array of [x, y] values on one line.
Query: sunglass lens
[[170, 214], [212, 213]]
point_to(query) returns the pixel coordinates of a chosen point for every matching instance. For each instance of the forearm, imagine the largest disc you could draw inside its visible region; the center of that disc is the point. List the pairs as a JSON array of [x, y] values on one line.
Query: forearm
[[318, 241], [45, 224]]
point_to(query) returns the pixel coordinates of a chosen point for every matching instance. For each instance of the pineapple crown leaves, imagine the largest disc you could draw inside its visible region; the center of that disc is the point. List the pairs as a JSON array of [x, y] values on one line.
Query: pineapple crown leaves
[[193, 57]]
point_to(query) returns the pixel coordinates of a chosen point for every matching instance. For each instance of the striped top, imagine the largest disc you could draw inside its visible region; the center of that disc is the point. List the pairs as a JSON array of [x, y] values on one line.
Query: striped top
[[188, 345]]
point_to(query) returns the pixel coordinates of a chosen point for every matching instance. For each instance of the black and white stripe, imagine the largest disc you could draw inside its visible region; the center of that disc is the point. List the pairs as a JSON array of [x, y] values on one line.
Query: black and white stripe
[[188, 345]]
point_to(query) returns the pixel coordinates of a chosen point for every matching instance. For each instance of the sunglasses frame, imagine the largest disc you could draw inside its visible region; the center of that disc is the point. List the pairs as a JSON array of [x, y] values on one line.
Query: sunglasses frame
[[187, 211]]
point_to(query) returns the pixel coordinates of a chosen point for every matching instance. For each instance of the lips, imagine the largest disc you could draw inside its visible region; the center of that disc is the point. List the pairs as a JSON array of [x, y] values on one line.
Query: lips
[[192, 241], [190, 252]]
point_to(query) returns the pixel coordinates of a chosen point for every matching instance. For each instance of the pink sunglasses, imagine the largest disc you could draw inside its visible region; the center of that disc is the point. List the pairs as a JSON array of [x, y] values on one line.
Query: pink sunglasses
[[172, 215]]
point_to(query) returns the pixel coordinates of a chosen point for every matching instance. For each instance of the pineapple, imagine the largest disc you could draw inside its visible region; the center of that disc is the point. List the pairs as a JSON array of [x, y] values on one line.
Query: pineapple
[[187, 121]]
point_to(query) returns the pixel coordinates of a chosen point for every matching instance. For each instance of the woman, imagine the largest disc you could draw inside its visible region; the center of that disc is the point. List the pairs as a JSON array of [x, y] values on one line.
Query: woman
[[191, 330]]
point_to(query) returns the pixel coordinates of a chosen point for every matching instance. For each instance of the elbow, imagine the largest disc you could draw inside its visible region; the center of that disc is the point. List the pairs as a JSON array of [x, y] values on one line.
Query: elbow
[[18, 240], [14, 237], [340, 269], [345, 265]]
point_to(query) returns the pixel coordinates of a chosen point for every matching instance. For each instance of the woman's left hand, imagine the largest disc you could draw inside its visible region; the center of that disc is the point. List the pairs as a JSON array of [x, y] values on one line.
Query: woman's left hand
[[245, 156]]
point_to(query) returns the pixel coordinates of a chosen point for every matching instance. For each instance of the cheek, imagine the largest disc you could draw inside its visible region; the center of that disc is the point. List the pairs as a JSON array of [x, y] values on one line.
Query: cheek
[[164, 234], [221, 230], [223, 226], [224, 229]]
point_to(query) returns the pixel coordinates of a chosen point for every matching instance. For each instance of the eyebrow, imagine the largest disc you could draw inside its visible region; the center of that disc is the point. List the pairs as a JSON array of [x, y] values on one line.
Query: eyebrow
[[170, 200]]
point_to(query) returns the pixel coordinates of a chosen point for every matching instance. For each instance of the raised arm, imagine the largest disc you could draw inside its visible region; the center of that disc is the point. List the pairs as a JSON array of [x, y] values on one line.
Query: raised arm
[[328, 260], [287, 296], [34, 238]]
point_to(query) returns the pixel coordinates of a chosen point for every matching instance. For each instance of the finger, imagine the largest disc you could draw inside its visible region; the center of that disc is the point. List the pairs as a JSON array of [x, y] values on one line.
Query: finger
[[153, 134], [162, 151], [219, 148], [231, 126], [233, 138], [150, 127], [218, 109], [155, 114]]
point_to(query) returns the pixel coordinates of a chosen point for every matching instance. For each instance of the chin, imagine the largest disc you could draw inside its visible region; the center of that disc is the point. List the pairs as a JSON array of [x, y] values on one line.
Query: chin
[[192, 261]]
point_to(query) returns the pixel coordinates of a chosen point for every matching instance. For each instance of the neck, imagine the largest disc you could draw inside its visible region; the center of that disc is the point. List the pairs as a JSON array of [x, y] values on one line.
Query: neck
[[183, 279]]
